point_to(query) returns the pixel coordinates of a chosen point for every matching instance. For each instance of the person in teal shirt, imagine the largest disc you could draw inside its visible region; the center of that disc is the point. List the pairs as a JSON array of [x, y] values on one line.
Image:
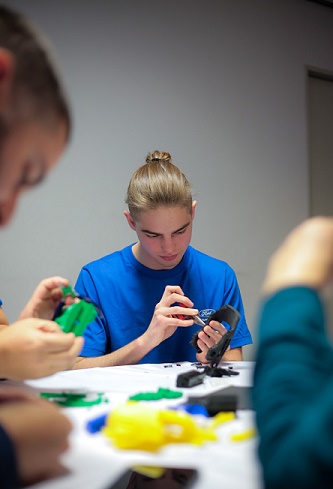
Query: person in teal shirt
[[292, 391]]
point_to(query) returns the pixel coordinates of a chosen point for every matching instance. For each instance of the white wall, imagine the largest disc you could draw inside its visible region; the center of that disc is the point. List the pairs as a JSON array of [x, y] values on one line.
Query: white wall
[[219, 84]]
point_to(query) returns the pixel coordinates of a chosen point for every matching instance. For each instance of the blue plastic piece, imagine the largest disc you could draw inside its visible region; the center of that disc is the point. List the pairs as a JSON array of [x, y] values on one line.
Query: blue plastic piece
[[95, 425], [195, 409]]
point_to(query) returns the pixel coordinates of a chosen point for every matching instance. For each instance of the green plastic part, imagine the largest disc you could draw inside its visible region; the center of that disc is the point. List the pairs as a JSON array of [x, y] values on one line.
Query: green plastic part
[[162, 393], [68, 291], [76, 317], [72, 399], [169, 394]]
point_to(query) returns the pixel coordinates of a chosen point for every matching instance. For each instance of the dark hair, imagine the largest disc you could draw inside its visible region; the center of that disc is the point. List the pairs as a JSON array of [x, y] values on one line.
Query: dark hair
[[35, 80], [158, 183]]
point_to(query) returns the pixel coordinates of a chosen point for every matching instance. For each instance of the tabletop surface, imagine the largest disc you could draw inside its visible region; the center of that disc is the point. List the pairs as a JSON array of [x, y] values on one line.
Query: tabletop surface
[[93, 462]]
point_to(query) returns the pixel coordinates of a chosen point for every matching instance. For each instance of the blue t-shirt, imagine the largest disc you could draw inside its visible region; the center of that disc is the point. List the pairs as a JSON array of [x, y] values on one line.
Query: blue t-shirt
[[127, 293]]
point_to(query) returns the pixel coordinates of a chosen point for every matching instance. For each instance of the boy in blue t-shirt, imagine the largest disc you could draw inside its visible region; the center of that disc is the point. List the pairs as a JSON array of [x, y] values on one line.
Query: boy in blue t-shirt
[[142, 288]]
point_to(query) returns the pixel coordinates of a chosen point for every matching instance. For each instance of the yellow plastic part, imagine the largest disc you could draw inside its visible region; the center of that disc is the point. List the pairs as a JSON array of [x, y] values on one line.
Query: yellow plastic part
[[134, 426], [244, 435], [150, 471], [222, 417]]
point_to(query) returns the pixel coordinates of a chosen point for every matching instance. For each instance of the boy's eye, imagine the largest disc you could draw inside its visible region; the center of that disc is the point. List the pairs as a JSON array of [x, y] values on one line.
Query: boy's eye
[[181, 231]]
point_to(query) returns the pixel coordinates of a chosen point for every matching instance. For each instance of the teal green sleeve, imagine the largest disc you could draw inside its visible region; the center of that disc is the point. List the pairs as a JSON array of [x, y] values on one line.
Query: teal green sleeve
[[293, 391]]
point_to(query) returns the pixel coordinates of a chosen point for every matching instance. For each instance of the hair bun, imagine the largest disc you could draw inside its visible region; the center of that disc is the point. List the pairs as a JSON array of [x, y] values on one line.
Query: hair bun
[[161, 156]]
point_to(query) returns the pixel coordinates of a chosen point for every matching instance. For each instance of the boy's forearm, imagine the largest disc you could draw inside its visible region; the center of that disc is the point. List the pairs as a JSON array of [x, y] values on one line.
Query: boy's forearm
[[233, 355], [129, 354]]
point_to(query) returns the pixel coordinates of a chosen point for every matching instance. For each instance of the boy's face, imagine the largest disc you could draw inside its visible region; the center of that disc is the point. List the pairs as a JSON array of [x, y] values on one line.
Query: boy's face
[[164, 235], [27, 152]]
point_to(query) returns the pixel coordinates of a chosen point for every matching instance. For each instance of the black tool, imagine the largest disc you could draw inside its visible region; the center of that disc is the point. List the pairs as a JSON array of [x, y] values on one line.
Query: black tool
[[229, 315]]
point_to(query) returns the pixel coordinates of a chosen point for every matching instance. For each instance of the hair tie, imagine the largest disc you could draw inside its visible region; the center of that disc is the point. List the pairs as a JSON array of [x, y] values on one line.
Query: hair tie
[[155, 159]]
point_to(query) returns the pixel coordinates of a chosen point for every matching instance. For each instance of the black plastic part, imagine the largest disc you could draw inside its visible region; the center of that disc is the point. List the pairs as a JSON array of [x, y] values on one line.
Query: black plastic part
[[226, 314], [227, 399], [216, 352], [190, 379], [220, 372]]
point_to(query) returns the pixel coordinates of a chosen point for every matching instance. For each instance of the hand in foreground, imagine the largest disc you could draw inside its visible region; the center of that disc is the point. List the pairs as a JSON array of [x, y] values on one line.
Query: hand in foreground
[[304, 258], [3, 319], [39, 433], [163, 324], [45, 299], [34, 348]]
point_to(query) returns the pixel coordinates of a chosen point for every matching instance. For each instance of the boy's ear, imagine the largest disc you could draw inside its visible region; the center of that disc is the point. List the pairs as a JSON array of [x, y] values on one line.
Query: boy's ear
[[7, 66], [129, 219], [194, 204]]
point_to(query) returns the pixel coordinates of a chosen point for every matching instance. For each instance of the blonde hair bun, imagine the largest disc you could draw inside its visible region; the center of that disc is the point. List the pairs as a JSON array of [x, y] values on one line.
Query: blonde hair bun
[[161, 156], [158, 183]]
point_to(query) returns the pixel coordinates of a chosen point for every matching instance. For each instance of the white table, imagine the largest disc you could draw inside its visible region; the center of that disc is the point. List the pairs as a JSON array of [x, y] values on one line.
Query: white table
[[93, 462]]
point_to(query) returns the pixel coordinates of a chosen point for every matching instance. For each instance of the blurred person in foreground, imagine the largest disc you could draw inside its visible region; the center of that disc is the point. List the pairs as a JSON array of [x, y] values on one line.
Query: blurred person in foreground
[[34, 131], [293, 383]]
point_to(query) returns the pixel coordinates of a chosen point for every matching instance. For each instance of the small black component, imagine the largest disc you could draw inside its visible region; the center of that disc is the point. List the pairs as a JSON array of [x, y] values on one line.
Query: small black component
[[220, 372], [190, 379]]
